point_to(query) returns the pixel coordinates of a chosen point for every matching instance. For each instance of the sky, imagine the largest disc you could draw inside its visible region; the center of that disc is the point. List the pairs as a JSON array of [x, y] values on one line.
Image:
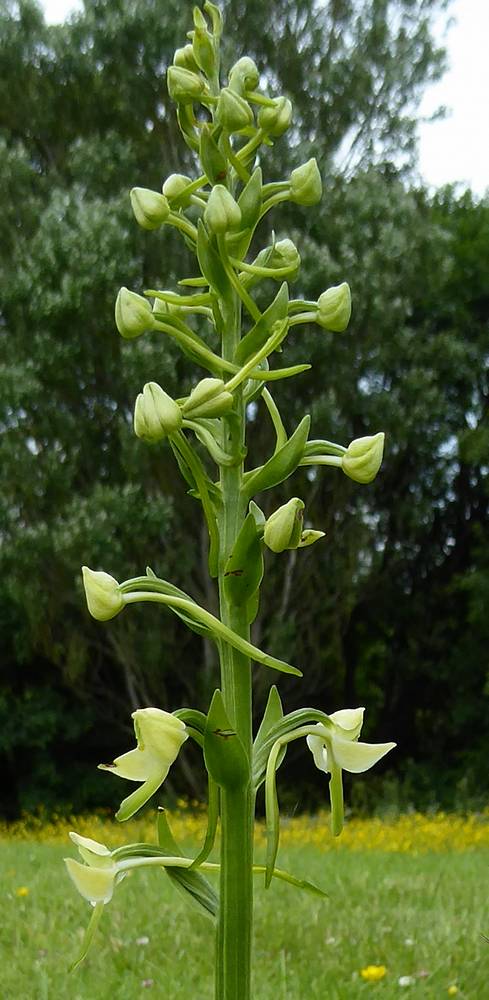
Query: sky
[[457, 148]]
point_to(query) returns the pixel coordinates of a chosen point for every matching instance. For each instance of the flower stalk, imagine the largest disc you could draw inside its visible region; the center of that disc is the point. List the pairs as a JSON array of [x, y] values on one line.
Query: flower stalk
[[231, 201]]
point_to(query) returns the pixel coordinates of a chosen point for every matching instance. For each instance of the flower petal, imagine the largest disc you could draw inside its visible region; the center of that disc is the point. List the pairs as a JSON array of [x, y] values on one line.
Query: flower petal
[[137, 799], [94, 854], [94, 884], [350, 720], [318, 749], [136, 765], [358, 757]]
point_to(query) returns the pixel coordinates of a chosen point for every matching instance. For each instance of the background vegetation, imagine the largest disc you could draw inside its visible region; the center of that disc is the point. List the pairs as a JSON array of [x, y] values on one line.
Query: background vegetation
[[390, 610]]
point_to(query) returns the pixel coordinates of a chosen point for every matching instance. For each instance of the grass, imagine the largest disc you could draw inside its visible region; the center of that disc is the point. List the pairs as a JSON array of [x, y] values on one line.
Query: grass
[[393, 902]]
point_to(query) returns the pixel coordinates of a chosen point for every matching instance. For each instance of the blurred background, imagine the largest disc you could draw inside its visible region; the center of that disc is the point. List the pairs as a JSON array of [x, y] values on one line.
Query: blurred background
[[391, 611]]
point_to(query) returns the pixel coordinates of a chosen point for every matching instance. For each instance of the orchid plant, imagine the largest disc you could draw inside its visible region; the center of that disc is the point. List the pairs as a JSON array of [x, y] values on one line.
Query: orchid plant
[[217, 213]]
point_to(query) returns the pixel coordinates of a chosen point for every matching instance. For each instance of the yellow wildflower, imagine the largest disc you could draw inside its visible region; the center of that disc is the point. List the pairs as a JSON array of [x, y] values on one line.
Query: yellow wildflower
[[22, 891], [373, 973], [452, 990]]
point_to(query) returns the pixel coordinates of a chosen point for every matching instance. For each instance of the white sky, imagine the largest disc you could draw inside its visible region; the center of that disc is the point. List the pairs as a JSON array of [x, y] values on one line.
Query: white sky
[[456, 149]]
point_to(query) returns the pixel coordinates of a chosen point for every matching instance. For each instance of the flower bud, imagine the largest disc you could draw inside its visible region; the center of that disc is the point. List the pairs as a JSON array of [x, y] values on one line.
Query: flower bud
[[156, 415], [363, 458], [244, 75], [102, 593], [150, 208], [233, 112], [275, 121], [174, 188], [283, 529], [334, 308], [208, 399], [222, 213], [305, 184], [183, 85], [185, 59], [285, 254], [133, 314]]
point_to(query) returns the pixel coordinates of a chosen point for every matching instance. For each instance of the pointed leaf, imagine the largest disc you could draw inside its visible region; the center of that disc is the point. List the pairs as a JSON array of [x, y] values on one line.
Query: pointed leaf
[[224, 754], [195, 889], [272, 814], [210, 262], [244, 568], [89, 935], [282, 464], [271, 717], [261, 331], [212, 818]]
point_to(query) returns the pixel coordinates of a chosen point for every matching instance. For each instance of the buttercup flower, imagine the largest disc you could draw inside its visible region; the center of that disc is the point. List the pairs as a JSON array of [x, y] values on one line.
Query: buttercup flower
[[373, 973], [159, 737], [336, 748]]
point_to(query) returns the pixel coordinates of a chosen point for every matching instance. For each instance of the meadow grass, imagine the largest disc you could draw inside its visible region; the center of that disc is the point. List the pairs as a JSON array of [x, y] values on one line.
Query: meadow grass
[[410, 895]]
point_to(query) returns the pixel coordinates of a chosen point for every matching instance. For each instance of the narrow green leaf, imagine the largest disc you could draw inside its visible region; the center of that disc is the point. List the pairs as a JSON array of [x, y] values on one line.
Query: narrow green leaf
[[89, 935], [191, 885], [195, 889], [271, 717], [272, 814], [243, 572], [224, 754], [282, 464], [210, 262], [212, 818], [260, 332]]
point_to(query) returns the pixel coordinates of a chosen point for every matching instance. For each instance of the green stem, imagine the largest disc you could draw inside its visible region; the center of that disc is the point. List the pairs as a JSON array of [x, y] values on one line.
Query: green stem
[[234, 934]]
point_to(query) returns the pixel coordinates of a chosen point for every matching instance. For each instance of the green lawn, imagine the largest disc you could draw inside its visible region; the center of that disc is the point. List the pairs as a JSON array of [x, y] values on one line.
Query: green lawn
[[413, 914]]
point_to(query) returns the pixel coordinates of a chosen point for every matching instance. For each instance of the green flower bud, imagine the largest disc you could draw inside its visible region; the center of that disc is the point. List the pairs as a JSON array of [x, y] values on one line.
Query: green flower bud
[[214, 163], [283, 529], [334, 308], [103, 595], [221, 213], [183, 85], [133, 314], [275, 121], [208, 399], [305, 184], [185, 59], [156, 415], [233, 112], [174, 188], [244, 75], [285, 254], [363, 458], [150, 208]]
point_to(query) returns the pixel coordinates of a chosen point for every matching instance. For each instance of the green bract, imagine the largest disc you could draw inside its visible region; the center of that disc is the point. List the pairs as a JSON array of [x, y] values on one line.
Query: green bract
[[159, 737]]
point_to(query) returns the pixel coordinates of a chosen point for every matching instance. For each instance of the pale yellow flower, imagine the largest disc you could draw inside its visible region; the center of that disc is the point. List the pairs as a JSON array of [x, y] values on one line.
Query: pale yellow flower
[[22, 891], [452, 990]]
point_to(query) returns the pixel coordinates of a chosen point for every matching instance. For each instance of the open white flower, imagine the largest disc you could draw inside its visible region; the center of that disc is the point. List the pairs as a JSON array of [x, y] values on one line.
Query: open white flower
[[95, 880], [159, 737], [336, 749]]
